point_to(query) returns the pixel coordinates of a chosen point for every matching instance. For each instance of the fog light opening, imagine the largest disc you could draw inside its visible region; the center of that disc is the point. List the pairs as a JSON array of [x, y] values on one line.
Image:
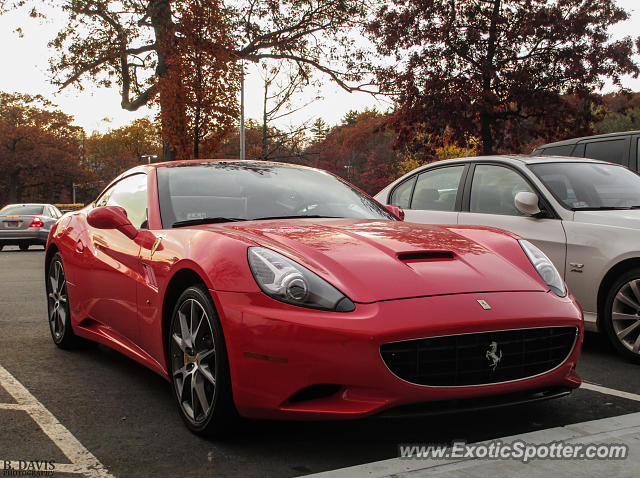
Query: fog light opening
[[315, 392]]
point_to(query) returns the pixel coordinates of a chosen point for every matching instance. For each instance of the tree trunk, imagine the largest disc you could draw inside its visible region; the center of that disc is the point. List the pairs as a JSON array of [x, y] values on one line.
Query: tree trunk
[[13, 188], [171, 92], [486, 114], [196, 134], [485, 133]]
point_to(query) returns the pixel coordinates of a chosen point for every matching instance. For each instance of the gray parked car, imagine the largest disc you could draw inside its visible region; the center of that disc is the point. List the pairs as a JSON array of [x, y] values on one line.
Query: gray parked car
[[584, 214], [620, 148], [24, 225]]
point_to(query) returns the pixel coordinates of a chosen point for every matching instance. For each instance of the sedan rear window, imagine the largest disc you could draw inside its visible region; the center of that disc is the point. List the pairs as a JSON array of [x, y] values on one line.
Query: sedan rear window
[[22, 210], [590, 186]]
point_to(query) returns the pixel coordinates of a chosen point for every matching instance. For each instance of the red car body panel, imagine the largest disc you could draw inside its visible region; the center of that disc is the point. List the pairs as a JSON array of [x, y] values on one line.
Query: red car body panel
[[117, 290]]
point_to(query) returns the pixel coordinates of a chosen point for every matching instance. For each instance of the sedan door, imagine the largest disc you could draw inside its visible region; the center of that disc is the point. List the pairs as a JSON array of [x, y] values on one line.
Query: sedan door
[[431, 196], [489, 201]]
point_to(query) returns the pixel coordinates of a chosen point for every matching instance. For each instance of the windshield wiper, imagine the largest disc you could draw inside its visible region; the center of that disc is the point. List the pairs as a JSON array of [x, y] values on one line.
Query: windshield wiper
[[206, 220], [296, 217]]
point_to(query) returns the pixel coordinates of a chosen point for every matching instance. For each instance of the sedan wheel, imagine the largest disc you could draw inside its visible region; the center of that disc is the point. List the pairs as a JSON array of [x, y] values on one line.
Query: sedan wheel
[[622, 315], [199, 367], [58, 305]]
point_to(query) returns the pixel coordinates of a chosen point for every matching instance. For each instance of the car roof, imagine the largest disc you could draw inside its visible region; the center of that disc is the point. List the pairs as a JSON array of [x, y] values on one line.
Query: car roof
[[597, 136], [144, 168], [247, 162], [516, 159]]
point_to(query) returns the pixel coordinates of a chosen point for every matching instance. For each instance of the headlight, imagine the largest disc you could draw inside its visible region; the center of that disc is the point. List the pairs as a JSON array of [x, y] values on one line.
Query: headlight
[[545, 268], [286, 280]]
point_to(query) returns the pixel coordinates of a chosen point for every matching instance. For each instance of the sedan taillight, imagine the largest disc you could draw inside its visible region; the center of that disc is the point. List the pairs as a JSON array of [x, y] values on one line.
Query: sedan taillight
[[37, 222]]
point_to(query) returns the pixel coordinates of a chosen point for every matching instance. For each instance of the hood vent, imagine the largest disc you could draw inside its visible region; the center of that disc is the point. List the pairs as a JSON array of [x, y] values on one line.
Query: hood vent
[[425, 256]]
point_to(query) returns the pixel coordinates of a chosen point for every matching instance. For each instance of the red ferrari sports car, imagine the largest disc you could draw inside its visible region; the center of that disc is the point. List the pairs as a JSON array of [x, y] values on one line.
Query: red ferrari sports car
[[279, 291]]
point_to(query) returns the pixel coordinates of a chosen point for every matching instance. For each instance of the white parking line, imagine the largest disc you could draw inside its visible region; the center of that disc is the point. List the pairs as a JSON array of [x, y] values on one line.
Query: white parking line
[[12, 406], [82, 460], [610, 391]]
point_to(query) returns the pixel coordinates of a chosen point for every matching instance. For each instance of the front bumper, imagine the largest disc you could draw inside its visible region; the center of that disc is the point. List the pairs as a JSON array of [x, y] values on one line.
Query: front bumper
[[278, 353]]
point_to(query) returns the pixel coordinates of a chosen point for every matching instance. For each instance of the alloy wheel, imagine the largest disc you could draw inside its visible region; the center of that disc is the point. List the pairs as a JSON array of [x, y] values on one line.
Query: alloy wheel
[[625, 315], [193, 352], [57, 298]]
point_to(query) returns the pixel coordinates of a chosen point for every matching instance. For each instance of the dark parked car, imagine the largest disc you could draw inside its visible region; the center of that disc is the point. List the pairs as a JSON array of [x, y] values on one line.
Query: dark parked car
[[24, 225], [620, 148]]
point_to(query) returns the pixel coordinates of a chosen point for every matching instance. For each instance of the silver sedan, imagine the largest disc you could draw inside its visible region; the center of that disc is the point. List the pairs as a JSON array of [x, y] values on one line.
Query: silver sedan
[[584, 214], [24, 225]]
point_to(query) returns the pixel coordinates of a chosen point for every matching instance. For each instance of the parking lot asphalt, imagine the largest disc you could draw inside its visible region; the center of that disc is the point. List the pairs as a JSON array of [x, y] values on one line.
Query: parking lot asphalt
[[116, 418]]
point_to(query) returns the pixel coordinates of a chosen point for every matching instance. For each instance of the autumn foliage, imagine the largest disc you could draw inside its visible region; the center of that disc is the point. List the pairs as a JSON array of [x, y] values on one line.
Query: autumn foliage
[[39, 150], [465, 78], [500, 70]]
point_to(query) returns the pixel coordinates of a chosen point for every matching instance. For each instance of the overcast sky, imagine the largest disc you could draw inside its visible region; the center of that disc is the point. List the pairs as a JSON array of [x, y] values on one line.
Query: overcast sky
[[25, 62]]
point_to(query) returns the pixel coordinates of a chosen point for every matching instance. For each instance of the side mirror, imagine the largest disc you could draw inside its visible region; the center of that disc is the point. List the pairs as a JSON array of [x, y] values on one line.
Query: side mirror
[[395, 210], [527, 203], [112, 217]]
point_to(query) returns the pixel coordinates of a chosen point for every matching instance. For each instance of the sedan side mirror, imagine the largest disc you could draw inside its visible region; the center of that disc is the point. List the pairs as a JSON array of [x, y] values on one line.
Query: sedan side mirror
[[395, 210], [527, 203], [112, 217]]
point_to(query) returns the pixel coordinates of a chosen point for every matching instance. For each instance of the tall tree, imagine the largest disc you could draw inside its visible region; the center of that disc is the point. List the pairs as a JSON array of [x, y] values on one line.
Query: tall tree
[[140, 44], [484, 67], [39, 149], [212, 77], [319, 129]]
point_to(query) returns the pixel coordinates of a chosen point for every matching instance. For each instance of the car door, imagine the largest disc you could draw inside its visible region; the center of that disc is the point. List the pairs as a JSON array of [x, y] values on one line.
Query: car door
[[114, 263], [489, 201], [431, 196]]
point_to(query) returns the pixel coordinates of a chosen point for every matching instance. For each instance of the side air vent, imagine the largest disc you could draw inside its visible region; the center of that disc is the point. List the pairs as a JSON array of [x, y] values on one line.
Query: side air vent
[[425, 256]]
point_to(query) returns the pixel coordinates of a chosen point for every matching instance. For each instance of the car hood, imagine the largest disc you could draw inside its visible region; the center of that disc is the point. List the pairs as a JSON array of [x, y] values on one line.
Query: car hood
[[382, 260], [628, 218]]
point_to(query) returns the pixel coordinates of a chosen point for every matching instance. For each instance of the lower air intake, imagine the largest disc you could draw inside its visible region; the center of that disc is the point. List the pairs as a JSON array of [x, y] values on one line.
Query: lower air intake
[[480, 358]]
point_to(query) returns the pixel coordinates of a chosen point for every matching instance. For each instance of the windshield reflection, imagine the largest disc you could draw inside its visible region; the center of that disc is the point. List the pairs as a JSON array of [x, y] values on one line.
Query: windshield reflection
[[192, 193]]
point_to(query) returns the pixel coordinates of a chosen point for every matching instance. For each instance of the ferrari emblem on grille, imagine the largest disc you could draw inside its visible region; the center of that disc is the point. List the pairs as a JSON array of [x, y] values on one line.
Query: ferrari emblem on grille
[[485, 305], [493, 355]]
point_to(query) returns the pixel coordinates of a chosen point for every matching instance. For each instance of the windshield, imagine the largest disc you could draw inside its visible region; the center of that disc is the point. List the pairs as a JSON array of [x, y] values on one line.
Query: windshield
[[584, 186], [230, 191], [22, 210]]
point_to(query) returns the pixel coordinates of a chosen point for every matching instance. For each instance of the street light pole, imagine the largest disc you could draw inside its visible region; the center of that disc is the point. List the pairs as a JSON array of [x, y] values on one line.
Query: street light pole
[[242, 150]]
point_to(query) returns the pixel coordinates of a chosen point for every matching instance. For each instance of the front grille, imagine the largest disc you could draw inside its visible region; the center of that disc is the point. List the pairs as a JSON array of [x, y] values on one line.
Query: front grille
[[479, 358]]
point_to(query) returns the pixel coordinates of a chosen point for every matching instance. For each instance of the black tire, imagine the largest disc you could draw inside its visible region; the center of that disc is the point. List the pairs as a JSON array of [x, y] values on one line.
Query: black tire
[[623, 304], [200, 363], [1, 247], [58, 305], [24, 247]]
